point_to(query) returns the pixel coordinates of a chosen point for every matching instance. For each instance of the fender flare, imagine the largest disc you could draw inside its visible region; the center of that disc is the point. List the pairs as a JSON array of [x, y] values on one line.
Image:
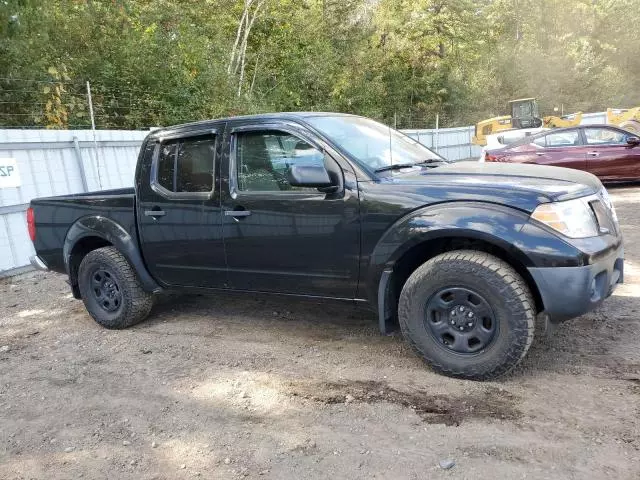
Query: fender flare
[[464, 220], [112, 232]]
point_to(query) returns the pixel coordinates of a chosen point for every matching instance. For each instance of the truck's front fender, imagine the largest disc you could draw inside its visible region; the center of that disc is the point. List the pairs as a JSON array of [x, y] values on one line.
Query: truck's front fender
[[110, 231], [504, 228]]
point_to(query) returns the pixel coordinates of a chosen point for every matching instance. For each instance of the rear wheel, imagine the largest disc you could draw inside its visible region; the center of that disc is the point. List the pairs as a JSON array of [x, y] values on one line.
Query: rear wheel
[[110, 289], [468, 314]]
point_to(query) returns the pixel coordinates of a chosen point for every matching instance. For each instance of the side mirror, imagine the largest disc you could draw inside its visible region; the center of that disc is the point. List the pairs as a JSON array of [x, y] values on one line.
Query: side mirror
[[309, 176], [633, 140]]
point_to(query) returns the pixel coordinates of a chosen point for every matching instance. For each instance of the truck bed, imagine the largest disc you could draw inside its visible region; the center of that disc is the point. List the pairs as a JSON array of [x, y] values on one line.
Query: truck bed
[[55, 215]]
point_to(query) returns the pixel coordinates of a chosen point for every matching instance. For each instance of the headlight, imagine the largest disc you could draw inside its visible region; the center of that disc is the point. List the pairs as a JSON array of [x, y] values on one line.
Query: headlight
[[572, 218], [607, 201]]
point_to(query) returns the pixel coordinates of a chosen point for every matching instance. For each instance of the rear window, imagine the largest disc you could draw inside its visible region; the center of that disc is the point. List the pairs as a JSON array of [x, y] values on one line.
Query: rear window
[[541, 142], [186, 165], [563, 139]]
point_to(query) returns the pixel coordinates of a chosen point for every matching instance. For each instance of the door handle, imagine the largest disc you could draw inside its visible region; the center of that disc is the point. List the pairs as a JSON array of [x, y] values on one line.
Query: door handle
[[237, 213], [539, 154], [593, 154], [155, 213]]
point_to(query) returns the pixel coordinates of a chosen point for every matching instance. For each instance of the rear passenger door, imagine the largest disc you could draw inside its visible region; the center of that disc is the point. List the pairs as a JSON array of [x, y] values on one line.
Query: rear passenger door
[[179, 210], [563, 148]]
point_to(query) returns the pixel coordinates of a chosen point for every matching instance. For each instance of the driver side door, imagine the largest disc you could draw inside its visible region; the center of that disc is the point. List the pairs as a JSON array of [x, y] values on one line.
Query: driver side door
[[282, 238], [609, 157]]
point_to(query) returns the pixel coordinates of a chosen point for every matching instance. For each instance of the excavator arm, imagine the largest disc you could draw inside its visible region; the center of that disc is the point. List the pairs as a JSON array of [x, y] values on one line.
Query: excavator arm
[[553, 121], [627, 118]]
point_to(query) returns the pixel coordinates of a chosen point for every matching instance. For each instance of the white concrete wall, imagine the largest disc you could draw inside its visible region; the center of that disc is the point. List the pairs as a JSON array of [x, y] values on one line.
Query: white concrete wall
[[50, 164], [451, 143]]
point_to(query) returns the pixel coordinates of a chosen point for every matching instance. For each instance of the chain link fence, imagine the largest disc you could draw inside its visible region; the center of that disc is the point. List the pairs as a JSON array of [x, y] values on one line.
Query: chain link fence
[[63, 104], [66, 104]]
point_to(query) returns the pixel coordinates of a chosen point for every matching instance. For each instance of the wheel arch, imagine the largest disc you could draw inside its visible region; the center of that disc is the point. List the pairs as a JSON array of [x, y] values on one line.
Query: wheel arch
[[80, 249], [92, 232], [394, 277]]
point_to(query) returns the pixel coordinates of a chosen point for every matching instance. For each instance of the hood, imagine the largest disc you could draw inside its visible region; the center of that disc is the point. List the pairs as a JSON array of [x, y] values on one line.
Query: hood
[[519, 185]]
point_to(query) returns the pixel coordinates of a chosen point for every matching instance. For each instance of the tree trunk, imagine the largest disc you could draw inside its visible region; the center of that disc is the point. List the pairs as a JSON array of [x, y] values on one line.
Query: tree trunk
[[245, 12], [242, 59], [255, 72]]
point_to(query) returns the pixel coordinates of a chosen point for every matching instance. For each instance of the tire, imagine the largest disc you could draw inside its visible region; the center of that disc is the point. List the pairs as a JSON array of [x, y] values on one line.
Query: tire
[[496, 335], [632, 126], [111, 291]]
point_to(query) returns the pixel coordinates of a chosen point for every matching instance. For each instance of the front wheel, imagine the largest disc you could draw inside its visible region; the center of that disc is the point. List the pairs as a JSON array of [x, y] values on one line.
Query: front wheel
[[468, 314], [110, 289]]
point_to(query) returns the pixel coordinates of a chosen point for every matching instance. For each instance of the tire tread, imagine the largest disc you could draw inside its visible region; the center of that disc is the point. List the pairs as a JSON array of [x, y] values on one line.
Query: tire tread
[[520, 301], [138, 301]]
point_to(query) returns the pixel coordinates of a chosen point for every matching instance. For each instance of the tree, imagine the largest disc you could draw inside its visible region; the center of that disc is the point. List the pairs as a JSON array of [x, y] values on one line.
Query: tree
[[160, 62]]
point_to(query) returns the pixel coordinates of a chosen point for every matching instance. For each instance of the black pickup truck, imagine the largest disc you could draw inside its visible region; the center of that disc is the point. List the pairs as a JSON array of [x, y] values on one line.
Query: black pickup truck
[[464, 257]]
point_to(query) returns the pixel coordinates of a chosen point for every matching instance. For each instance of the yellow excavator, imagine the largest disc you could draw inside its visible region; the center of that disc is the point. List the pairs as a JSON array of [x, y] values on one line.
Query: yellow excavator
[[627, 118], [524, 114]]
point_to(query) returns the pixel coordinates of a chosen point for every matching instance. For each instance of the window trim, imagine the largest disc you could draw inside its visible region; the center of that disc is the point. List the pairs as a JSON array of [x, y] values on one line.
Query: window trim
[[234, 189], [186, 134], [164, 192]]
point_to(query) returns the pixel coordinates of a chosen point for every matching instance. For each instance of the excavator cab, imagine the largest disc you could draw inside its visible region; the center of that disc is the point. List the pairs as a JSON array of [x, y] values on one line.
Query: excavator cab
[[524, 113]]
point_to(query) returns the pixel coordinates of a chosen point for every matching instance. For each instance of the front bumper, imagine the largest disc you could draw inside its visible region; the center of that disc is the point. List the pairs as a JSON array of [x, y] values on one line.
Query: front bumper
[[38, 263], [568, 292]]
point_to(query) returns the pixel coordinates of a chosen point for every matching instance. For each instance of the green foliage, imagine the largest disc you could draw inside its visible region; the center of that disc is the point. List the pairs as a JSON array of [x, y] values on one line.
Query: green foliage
[[160, 62]]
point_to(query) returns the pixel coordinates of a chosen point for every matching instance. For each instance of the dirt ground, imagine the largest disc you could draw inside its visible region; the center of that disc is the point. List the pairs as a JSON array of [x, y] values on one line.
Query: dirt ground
[[252, 387]]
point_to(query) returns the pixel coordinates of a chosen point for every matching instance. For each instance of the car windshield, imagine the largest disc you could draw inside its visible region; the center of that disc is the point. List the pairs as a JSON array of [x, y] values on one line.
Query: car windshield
[[373, 144]]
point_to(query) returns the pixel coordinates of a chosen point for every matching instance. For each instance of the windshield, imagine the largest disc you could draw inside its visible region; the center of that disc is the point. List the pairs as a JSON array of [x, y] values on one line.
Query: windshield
[[525, 110], [373, 144]]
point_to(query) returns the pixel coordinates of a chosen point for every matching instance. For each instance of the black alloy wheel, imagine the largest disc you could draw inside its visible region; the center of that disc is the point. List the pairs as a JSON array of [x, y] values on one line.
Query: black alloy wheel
[[468, 314], [111, 290], [461, 320], [106, 290]]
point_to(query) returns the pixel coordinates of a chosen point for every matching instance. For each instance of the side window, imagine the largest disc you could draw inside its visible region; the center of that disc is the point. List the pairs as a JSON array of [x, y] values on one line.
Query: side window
[[186, 165], [604, 136], [567, 138], [263, 159], [540, 141], [167, 165]]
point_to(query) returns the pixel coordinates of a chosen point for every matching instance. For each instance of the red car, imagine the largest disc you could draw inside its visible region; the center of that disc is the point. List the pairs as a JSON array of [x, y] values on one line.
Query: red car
[[610, 153]]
